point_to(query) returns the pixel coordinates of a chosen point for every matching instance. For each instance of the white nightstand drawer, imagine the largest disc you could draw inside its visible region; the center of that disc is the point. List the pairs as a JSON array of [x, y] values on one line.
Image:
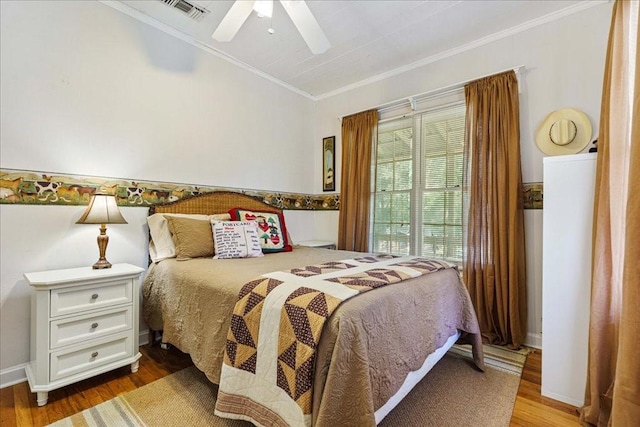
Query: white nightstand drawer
[[90, 326], [79, 299], [69, 362]]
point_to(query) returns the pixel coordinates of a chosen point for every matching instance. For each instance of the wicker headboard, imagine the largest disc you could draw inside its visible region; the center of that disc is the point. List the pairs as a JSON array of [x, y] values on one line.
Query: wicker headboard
[[215, 202]]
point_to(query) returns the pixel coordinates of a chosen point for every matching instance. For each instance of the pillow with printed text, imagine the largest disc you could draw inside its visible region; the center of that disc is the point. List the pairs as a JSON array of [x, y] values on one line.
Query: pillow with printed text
[[236, 239]]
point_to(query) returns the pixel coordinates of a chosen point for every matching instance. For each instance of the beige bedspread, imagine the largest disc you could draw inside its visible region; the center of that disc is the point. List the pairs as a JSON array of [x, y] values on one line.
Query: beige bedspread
[[370, 342]]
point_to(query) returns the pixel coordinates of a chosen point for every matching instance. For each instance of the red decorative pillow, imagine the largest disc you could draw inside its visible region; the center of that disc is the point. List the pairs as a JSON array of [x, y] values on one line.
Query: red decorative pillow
[[271, 228]]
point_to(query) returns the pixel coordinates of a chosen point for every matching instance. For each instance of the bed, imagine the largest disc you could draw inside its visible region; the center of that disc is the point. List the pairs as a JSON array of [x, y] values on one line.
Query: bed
[[374, 348]]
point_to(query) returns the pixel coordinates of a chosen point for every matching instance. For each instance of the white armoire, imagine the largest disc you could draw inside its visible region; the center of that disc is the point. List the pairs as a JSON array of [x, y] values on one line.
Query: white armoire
[[569, 185]]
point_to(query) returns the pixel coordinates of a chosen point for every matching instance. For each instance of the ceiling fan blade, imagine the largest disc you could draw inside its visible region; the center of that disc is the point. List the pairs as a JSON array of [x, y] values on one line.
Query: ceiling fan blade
[[307, 25], [233, 20]]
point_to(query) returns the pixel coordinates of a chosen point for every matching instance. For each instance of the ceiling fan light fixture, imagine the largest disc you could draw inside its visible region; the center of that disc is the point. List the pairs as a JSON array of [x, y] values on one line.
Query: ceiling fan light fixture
[[297, 10], [263, 8]]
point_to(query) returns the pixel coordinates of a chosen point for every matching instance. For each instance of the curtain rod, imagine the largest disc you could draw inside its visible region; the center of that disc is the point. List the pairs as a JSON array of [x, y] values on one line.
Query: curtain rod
[[440, 91]]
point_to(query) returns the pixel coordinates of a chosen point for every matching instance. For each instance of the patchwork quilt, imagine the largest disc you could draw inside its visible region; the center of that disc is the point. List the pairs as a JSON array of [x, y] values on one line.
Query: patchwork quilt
[[268, 370]]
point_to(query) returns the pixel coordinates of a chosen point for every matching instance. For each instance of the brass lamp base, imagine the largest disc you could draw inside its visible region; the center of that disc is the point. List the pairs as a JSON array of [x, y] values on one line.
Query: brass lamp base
[[103, 240], [102, 263]]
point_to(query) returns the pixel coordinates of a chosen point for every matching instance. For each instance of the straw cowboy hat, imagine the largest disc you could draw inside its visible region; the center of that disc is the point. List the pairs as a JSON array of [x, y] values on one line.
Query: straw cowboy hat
[[565, 131]]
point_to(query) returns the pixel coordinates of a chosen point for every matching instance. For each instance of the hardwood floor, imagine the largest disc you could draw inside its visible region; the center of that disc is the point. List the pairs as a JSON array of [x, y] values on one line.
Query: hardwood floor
[[18, 405], [533, 409]]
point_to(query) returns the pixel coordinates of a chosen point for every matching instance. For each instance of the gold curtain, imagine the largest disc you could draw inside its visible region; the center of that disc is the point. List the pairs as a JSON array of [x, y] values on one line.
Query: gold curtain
[[494, 261], [358, 135], [612, 395]]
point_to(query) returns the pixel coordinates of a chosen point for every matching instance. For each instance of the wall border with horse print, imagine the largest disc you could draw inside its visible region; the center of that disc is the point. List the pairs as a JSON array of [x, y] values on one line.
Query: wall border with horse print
[[46, 188]]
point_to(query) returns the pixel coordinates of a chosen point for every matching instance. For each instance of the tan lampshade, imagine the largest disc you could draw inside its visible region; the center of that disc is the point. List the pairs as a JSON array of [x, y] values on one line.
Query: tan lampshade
[[102, 209]]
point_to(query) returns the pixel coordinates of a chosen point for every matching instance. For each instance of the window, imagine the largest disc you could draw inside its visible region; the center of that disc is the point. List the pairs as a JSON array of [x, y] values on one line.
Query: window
[[417, 199], [393, 184]]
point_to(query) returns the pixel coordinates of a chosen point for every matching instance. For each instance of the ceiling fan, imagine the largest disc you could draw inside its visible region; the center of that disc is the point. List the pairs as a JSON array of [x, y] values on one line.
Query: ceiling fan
[[297, 10]]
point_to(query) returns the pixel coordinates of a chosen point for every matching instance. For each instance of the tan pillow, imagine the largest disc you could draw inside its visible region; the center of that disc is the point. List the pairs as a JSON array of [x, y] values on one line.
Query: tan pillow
[[161, 245], [193, 238]]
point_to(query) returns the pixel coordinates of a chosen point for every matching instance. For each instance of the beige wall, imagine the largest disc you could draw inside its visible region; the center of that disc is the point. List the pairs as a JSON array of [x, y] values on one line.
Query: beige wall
[[564, 62], [88, 90]]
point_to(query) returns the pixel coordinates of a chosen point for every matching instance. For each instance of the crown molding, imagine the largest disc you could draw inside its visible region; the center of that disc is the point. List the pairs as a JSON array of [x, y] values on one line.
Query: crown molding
[[559, 14]]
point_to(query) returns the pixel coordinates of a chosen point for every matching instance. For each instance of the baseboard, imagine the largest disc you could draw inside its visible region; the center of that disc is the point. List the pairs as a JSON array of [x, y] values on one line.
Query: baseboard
[[16, 374], [533, 340], [13, 375], [561, 398], [143, 339]]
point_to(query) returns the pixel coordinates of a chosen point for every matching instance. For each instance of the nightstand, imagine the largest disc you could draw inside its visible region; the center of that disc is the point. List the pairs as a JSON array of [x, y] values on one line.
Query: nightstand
[[83, 322], [324, 244]]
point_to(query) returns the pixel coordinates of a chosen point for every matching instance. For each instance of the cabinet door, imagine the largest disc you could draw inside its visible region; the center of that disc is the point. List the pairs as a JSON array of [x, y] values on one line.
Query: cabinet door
[[569, 183]]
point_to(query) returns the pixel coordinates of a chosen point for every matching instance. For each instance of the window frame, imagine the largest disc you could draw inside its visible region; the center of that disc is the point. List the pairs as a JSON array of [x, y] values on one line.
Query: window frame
[[419, 156]]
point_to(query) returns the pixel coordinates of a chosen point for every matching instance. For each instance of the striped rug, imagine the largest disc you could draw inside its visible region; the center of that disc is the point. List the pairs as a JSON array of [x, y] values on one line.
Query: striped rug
[[498, 357], [454, 393]]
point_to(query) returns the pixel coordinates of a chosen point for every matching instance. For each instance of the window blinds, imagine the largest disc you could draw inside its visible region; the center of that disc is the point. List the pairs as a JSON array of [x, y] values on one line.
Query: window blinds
[[442, 142], [417, 195]]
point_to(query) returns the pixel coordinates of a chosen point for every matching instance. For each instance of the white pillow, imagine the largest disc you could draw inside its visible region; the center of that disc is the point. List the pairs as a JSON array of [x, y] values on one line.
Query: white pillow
[[161, 245], [236, 239]]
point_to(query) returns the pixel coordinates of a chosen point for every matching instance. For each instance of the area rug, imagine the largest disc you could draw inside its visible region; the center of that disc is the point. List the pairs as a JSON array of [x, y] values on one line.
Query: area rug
[[454, 393]]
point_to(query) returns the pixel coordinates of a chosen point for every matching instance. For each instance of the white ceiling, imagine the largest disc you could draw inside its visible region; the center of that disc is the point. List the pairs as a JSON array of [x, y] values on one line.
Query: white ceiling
[[369, 39]]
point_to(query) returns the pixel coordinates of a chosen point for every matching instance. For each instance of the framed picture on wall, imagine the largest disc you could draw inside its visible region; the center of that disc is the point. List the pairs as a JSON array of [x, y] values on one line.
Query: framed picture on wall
[[328, 163]]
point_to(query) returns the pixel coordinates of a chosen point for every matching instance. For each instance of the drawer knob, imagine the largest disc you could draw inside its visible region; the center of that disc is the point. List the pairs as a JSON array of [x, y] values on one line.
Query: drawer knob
[[94, 296], [94, 354], [94, 325]]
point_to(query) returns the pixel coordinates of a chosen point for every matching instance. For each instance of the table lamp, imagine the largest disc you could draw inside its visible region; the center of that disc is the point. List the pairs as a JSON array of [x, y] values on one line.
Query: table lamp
[[102, 210]]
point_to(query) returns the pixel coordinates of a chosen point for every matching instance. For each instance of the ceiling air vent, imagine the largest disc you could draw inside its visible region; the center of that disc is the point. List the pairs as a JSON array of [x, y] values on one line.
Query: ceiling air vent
[[189, 8]]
